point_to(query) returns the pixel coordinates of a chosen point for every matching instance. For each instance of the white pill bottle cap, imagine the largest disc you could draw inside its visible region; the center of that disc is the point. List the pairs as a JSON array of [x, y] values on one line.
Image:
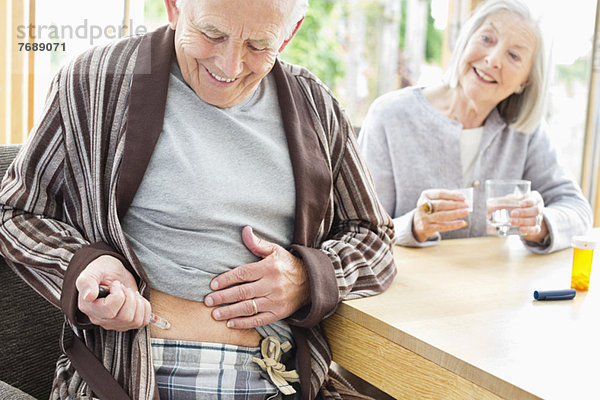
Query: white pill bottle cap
[[584, 242]]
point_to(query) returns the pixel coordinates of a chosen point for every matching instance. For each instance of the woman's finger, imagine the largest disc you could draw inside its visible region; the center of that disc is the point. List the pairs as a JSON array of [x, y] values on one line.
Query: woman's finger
[[443, 194], [449, 225], [441, 216], [449, 205]]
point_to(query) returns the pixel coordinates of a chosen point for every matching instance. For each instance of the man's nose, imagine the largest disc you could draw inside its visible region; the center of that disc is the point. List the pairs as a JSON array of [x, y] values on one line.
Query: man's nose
[[231, 60]]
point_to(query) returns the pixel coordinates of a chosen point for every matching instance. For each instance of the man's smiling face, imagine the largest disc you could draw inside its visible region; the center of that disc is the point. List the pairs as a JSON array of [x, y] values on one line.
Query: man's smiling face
[[225, 47]]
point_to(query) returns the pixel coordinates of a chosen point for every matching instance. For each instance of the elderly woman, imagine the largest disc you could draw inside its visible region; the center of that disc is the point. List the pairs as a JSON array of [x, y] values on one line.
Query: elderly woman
[[483, 122]]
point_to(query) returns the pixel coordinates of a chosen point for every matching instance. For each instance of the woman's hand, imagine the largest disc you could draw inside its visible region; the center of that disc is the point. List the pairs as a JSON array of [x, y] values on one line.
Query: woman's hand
[[124, 308], [446, 207], [529, 217], [259, 293]]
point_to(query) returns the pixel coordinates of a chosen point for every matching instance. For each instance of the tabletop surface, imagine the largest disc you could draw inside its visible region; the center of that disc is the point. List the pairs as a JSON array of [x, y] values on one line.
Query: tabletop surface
[[467, 304]]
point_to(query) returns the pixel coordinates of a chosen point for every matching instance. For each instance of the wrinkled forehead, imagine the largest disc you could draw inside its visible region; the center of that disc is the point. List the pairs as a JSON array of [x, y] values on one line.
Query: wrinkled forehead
[[237, 13]]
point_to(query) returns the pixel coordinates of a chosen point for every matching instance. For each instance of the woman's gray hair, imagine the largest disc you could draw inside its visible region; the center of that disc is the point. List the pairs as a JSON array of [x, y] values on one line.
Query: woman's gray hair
[[298, 12], [522, 111]]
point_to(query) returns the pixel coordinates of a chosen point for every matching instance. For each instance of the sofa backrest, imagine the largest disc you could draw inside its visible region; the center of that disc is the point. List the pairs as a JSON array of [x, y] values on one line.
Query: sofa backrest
[[29, 325], [8, 152]]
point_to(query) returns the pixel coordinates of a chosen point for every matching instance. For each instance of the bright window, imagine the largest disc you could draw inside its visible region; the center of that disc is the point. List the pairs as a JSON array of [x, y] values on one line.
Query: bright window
[[86, 23]]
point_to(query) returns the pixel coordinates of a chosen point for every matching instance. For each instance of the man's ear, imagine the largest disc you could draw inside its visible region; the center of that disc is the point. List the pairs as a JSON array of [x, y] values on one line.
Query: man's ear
[[172, 13], [285, 43]]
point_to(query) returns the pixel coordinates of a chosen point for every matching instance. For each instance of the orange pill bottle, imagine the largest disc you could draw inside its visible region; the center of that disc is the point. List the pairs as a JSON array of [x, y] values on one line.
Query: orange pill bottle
[[583, 254]]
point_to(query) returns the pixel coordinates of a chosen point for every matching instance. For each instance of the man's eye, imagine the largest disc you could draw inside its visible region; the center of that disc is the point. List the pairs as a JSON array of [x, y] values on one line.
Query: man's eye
[[214, 38], [254, 48]]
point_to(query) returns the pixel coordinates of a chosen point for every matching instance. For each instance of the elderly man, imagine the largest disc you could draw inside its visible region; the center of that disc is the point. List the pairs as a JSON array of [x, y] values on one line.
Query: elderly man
[[201, 184]]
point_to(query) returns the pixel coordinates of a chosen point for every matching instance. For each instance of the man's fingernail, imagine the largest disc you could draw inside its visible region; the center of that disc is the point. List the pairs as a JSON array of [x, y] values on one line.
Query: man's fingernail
[[230, 324], [217, 314], [214, 285], [208, 301], [85, 294]]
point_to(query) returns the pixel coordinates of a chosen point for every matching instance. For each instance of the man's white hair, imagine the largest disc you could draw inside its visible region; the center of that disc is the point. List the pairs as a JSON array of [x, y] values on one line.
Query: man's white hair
[[298, 12]]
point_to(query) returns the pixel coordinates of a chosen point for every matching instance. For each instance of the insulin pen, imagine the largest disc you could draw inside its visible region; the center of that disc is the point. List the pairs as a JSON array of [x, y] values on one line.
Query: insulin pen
[[565, 294], [154, 319]]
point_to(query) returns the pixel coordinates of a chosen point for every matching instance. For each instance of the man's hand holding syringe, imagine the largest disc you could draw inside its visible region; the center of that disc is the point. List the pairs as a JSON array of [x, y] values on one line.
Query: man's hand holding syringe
[[108, 295]]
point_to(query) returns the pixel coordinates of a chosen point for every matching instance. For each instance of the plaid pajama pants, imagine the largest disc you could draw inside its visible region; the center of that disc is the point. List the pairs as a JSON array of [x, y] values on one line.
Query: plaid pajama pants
[[209, 371]]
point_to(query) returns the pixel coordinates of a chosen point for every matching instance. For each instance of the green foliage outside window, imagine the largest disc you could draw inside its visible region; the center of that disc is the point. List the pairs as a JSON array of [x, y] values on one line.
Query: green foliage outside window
[[402, 24], [154, 9], [315, 45], [578, 71], [433, 44]]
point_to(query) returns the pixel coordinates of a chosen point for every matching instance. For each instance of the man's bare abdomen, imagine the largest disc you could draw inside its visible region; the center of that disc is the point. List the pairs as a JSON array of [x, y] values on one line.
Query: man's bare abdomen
[[192, 320]]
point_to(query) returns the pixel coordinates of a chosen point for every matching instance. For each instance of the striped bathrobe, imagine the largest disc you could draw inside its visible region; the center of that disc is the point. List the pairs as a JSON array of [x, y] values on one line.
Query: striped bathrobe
[[64, 196]]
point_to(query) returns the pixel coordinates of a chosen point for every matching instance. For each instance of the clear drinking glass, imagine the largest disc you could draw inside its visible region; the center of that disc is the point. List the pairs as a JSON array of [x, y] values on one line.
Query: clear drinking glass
[[503, 196], [468, 193]]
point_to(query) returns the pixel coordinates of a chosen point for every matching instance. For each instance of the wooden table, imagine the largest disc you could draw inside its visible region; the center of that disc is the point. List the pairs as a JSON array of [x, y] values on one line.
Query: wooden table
[[460, 321]]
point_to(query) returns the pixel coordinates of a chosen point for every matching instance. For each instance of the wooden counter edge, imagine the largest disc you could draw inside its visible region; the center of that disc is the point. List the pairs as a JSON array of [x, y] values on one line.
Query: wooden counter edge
[[403, 373]]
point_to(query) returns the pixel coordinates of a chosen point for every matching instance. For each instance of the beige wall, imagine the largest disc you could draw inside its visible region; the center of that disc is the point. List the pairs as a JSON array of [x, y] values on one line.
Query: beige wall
[[16, 72]]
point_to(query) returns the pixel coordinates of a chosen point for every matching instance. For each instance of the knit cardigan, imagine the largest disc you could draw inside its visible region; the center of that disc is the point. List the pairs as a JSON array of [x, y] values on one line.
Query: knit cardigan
[[63, 198]]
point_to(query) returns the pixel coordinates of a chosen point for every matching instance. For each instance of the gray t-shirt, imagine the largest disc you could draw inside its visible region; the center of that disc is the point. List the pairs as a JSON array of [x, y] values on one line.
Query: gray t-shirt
[[213, 171]]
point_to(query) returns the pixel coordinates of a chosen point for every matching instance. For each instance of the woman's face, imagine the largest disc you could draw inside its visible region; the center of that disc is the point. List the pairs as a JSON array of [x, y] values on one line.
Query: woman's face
[[497, 59]]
